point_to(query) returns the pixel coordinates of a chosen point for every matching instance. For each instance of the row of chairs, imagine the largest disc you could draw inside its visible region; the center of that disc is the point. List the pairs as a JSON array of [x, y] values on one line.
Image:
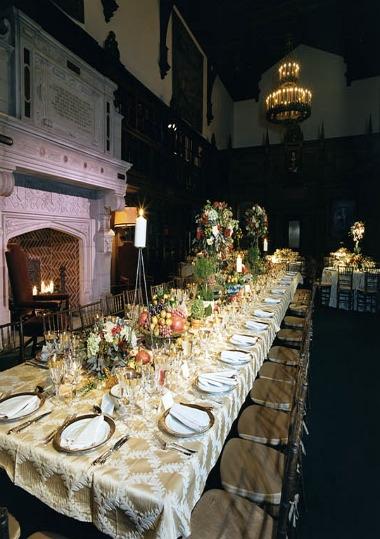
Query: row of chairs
[[368, 296], [259, 468], [16, 337]]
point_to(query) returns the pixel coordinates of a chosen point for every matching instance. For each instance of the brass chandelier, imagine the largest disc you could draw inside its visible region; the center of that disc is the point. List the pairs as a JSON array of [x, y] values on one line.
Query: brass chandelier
[[290, 102]]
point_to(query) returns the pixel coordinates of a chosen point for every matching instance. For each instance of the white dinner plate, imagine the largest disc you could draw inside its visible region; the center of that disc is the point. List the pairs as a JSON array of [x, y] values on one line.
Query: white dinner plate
[[105, 432], [170, 425], [27, 403]]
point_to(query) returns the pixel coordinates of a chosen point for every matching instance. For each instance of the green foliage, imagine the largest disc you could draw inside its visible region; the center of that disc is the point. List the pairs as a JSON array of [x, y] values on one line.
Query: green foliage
[[197, 309], [208, 310], [206, 293], [204, 268], [253, 256]]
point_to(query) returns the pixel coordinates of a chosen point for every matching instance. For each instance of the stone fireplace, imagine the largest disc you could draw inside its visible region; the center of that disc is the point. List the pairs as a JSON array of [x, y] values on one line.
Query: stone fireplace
[[53, 257], [60, 169]]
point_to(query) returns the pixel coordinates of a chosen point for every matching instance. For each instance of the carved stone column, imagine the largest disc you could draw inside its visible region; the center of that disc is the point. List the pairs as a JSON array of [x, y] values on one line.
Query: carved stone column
[[7, 183], [103, 241]]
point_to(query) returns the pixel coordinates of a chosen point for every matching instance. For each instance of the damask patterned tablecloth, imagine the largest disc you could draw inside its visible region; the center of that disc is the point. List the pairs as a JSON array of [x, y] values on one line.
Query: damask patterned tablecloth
[[142, 490]]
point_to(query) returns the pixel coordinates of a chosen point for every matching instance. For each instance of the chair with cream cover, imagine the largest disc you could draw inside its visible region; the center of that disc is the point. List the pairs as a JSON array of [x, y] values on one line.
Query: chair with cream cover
[[273, 394], [8, 521], [294, 322], [261, 473], [280, 373], [46, 535], [291, 337], [221, 515], [264, 425]]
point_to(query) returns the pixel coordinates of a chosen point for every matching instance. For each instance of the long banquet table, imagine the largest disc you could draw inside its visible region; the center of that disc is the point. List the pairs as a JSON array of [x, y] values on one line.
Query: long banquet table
[[142, 491]]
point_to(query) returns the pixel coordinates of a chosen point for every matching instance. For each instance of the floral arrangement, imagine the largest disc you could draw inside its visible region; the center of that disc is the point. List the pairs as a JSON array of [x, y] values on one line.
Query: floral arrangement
[[110, 344], [256, 223], [344, 257], [164, 316], [285, 255], [357, 233], [215, 228]]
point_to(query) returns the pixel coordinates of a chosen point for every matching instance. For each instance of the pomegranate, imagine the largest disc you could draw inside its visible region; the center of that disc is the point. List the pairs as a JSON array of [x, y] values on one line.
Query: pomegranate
[[143, 356], [178, 324]]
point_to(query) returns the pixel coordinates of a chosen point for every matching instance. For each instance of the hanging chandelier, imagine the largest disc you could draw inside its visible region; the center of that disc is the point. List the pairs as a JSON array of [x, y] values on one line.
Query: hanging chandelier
[[290, 103]]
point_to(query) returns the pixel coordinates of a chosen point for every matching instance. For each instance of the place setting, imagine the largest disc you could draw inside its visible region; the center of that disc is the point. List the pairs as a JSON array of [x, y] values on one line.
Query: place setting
[[242, 341], [84, 433], [186, 420]]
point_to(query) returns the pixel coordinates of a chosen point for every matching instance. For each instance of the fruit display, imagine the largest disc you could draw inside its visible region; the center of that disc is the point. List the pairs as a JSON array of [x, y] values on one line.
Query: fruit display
[[164, 318]]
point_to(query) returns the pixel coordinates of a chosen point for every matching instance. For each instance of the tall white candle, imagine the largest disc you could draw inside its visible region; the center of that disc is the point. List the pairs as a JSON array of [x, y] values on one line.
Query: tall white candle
[[140, 230], [34, 292], [265, 246], [239, 264]]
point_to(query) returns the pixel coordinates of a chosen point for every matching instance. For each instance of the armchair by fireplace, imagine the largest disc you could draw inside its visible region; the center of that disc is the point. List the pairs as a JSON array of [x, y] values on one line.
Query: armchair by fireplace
[[23, 302]]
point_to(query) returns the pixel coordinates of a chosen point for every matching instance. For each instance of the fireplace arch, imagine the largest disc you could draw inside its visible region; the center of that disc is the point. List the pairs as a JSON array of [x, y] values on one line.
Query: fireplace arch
[[53, 255]]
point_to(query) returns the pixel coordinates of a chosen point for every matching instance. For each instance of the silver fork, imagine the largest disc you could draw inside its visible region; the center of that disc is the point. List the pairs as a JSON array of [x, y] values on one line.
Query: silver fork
[[177, 447], [51, 435]]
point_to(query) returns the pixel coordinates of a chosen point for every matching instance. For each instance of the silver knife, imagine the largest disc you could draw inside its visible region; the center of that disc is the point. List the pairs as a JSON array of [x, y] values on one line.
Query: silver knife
[[27, 423], [105, 456]]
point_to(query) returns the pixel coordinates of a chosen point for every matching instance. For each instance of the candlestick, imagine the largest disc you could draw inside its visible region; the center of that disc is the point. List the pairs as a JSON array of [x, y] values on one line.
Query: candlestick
[[34, 292], [239, 264], [265, 246], [140, 230]]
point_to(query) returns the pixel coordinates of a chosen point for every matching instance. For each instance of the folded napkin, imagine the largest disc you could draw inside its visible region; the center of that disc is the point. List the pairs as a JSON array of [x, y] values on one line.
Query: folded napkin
[[243, 340], [217, 379], [84, 433], [20, 405], [192, 418], [235, 356], [278, 290], [272, 301], [256, 326], [262, 314]]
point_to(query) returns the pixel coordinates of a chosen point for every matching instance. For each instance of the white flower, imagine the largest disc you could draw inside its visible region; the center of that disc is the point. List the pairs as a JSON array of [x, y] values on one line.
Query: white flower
[[212, 215], [210, 241], [107, 330], [215, 230], [93, 345]]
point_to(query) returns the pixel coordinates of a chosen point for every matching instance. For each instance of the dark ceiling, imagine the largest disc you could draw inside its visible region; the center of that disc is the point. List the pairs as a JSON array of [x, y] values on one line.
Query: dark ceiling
[[243, 38]]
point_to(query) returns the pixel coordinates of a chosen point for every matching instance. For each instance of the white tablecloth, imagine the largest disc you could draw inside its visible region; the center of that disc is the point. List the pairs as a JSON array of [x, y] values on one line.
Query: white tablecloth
[[142, 491]]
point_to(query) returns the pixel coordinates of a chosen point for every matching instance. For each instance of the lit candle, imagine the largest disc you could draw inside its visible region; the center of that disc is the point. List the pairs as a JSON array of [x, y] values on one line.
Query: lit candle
[[140, 230], [42, 287], [34, 290], [239, 264], [265, 245], [51, 287]]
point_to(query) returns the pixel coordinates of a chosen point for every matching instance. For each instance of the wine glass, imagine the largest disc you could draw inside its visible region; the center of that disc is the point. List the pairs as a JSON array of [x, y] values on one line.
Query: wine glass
[[56, 370]]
